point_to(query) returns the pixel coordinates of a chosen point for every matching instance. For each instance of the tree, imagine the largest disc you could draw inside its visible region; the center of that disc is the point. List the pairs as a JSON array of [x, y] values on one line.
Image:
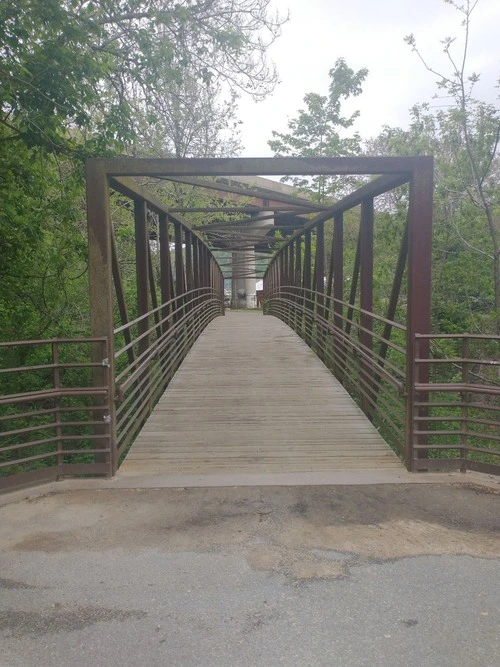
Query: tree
[[316, 131], [195, 121], [467, 134], [83, 78], [86, 64]]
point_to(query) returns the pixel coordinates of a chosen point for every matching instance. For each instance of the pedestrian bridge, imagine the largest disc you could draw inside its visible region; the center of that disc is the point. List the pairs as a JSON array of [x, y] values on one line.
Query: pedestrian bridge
[[331, 375], [237, 405]]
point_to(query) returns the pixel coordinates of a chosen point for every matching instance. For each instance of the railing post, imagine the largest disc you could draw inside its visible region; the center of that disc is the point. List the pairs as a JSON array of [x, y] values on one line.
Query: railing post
[[465, 399], [101, 293], [56, 380]]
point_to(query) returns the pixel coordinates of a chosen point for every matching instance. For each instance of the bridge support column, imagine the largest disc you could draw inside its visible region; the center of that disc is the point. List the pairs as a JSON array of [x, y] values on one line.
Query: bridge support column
[[101, 300]]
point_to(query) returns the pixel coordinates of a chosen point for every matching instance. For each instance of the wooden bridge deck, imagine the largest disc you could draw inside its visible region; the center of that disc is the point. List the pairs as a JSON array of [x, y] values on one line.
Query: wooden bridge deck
[[251, 397]]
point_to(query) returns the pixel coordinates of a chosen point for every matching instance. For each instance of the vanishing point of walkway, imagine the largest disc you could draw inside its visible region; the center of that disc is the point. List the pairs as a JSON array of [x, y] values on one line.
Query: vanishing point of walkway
[[251, 397]]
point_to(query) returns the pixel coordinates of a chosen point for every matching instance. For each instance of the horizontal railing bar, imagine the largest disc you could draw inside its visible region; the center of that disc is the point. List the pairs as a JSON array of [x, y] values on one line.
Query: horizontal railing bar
[[38, 413], [450, 360], [459, 336], [200, 291], [47, 455], [458, 387], [332, 329], [149, 354], [171, 316], [49, 341], [482, 450], [55, 439], [462, 448], [50, 425], [331, 299], [39, 367], [469, 434], [166, 370], [53, 393], [327, 324], [459, 418], [458, 404]]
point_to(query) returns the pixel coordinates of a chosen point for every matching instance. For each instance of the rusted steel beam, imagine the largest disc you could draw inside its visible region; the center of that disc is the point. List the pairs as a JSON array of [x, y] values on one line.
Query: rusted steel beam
[[366, 297], [307, 285], [196, 275], [370, 190], [419, 292], [249, 208], [120, 297], [338, 268], [165, 268], [142, 270], [298, 263], [189, 259], [319, 268], [251, 166], [101, 293], [152, 289], [395, 291], [354, 286], [224, 224], [129, 188], [270, 197], [179, 263]]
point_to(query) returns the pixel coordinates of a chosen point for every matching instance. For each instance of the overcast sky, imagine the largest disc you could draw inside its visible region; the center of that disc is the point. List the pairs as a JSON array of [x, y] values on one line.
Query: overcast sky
[[367, 33]]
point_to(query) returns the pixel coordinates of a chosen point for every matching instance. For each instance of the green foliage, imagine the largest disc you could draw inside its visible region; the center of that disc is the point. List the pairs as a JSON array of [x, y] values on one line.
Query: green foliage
[[86, 78], [465, 137], [317, 130], [75, 66]]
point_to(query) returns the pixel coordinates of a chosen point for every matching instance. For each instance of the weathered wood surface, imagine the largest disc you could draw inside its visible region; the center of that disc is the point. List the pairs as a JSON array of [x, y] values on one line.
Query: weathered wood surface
[[251, 397]]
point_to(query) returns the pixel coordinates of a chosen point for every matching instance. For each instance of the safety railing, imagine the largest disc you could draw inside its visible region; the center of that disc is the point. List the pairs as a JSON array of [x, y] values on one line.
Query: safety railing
[[147, 362], [61, 425], [367, 362], [456, 410]]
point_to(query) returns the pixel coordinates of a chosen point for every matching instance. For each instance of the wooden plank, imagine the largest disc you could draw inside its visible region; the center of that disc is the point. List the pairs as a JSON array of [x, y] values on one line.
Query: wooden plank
[[252, 397]]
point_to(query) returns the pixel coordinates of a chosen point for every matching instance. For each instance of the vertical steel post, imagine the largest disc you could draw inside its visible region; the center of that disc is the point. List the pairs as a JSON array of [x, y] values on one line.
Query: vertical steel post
[[419, 289], [307, 287], [56, 383], [320, 290], [101, 291], [179, 268], [196, 275], [142, 277], [189, 264], [165, 270], [142, 270], [338, 286], [286, 297], [298, 284], [366, 303]]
